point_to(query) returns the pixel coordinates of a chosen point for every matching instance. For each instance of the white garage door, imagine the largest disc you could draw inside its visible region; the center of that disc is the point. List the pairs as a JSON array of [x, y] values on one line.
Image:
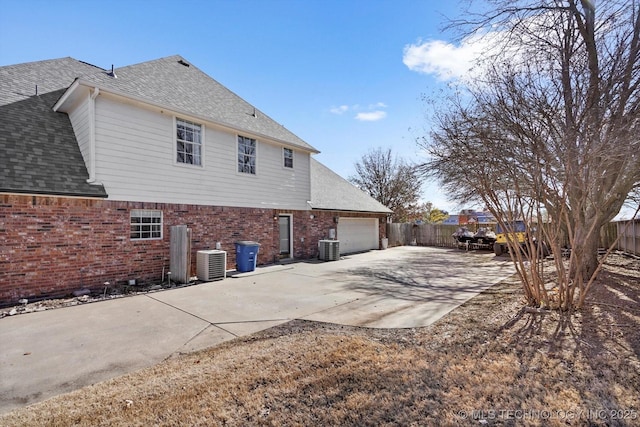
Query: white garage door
[[357, 234]]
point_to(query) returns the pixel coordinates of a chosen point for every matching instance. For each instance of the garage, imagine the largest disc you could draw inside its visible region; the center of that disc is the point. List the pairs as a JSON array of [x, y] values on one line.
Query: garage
[[357, 234]]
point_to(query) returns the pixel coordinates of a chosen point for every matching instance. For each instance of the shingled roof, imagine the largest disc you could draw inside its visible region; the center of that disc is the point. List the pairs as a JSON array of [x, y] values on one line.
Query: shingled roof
[[21, 81], [329, 191], [177, 85], [38, 149]]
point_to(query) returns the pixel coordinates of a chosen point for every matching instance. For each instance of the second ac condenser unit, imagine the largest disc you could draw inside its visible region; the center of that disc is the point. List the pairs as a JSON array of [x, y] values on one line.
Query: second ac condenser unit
[[212, 265], [329, 250]]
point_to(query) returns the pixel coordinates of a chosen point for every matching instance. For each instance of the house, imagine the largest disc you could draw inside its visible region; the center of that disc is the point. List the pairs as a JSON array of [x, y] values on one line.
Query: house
[[97, 165]]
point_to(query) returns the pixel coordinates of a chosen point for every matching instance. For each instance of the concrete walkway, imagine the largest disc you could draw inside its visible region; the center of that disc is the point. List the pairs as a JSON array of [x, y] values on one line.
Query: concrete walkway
[[57, 351]]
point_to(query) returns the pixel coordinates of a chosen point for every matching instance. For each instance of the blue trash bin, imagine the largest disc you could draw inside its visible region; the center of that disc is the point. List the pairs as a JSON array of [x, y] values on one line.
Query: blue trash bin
[[246, 255]]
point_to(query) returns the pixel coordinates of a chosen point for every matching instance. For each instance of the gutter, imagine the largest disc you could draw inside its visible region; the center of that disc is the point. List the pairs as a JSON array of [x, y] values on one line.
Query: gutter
[[40, 193], [92, 135]]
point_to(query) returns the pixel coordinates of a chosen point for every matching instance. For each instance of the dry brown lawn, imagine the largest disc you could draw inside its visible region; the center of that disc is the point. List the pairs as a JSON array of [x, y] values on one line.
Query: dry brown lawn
[[489, 362]]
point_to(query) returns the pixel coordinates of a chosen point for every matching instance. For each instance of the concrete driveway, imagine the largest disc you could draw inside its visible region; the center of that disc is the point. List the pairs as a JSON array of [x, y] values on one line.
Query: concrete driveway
[[53, 352]]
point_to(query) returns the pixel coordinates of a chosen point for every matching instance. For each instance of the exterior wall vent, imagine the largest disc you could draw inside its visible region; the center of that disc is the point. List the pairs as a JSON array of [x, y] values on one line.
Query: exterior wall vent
[[211, 265], [329, 250]]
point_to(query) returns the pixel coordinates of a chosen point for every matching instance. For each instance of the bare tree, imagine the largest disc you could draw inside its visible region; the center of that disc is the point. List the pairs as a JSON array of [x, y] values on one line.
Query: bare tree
[[549, 132], [393, 182]]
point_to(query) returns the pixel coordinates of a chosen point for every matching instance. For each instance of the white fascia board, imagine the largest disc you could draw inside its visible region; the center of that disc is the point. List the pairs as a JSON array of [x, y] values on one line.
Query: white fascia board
[[65, 96]]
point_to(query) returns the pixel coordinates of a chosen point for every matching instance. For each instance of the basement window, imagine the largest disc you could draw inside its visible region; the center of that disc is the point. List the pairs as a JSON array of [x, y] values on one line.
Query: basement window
[[146, 224]]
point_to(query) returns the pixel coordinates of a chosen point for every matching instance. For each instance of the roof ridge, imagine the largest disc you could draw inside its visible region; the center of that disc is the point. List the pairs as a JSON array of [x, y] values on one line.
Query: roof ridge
[[88, 63], [150, 61], [43, 61]]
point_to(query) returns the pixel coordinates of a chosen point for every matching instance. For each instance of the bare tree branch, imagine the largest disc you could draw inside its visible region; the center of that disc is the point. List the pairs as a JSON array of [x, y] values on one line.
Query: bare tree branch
[[391, 181]]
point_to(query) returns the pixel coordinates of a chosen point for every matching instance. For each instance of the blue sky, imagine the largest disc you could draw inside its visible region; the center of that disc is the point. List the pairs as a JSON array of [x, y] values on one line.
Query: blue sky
[[346, 76]]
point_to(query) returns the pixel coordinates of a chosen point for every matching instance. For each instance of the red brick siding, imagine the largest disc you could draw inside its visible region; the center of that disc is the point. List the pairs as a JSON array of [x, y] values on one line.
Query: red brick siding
[[317, 228], [50, 246]]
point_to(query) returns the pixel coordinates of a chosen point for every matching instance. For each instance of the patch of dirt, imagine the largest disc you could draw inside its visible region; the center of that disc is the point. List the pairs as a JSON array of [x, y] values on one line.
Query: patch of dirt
[[489, 362], [109, 292]]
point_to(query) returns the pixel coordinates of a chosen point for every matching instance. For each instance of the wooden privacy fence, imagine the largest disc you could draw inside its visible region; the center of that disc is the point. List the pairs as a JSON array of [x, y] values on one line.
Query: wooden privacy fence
[[629, 232], [404, 234]]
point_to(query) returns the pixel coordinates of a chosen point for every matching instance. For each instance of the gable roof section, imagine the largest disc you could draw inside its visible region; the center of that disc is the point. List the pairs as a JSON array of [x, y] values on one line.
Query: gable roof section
[[177, 85], [329, 191], [38, 150]]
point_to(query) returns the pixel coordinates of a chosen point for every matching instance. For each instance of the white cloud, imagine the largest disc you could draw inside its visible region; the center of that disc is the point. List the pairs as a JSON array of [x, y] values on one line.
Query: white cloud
[[469, 59], [371, 116], [377, 105], [339, 110], [372, 112], [448, 61]]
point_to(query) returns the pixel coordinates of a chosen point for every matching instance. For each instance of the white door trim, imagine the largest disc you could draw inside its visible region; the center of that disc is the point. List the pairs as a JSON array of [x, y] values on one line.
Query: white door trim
[[290, 216]]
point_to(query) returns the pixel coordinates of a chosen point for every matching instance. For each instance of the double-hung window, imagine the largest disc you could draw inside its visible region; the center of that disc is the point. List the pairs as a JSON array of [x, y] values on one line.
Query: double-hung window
[[146, 224], [188, 142], [287, 154], [246, 155]]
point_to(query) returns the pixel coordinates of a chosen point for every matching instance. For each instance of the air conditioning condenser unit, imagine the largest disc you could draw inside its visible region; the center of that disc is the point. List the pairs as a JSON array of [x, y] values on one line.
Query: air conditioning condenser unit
[[329, 250], [211, 265]]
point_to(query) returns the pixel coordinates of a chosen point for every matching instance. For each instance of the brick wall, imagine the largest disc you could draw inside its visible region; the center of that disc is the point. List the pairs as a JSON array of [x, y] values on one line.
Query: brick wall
[[51, 246]]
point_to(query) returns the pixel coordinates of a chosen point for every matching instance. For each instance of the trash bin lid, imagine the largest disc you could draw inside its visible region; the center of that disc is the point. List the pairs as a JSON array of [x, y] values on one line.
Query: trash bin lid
[[247, 243]]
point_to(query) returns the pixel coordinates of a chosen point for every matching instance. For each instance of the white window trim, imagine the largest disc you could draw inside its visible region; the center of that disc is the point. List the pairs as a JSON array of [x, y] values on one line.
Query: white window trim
[[175, 143], [293, 158], [149, 213], [236, 156]]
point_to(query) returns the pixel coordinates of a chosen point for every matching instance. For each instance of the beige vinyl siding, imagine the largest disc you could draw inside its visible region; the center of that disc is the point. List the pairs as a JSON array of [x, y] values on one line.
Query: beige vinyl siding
[[79, 118], [136, 155]]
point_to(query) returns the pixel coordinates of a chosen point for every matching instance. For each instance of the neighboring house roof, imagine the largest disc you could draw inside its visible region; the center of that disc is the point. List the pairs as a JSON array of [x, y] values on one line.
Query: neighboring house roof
[[175, 84], [39, 152], [329, 191], [451, 220]]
